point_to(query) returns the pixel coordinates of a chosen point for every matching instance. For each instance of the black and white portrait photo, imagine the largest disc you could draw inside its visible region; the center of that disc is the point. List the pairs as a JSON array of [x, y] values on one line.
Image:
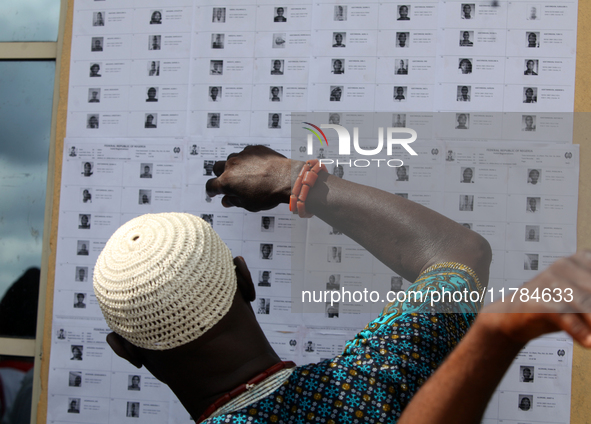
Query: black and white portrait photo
[[77, 351], [264, 306], [219, 15], [334, 254], [98, 19], [532, 233], [152, 94], [279, 40], [530, 95], [525, 402], [533, 176], [266, 251], [280, 14], [467, 175], [340, 13], [336, 92], [84, 221], [264, 278], [274, 122], [82, 247], [339, 39], [95, 69], [81, 275], [216, 67], [466, 202], [217, 41], [151, 120], [267, 224], [403, 12], [463, 93], [94, 95], [133, 382], [92, 121], [337, 66], [145, 197], [468, 10], [215, 93], [208, 167], [531, 67], [277, 67], [146, 170], [75, 379], [466, 38], [97, 44], [154, 42], [403, 39], [153, 68], [156, 17], [531, 262], [133, 410], [275, 93], [213, 120], [73, 405], [400, 93], [533, 204], [463, 121], [79, 300], [532, 40], [401, 66], [526, 374]]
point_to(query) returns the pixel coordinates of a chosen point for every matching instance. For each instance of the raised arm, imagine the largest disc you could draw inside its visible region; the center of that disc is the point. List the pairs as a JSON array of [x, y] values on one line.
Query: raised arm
[[404, 235], [462, 386]]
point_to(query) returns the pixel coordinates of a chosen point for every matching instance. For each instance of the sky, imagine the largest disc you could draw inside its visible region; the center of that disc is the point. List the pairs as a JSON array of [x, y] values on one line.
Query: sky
[[26, 96], [29, 20]]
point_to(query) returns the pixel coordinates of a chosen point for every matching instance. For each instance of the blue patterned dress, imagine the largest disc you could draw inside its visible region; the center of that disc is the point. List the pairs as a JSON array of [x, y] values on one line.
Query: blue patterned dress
[[381, 368]]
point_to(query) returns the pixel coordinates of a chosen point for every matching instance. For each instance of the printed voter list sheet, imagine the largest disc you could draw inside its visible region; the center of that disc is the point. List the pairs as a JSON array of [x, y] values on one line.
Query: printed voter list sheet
[[160, 90]]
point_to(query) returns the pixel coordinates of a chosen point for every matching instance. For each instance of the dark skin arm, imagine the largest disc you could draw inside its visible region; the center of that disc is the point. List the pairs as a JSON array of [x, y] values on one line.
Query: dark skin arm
[[404, 235], [470, 374]]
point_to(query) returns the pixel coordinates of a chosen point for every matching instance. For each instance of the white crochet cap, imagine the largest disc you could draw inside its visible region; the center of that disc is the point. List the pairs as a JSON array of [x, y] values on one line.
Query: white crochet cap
[[163, 280]]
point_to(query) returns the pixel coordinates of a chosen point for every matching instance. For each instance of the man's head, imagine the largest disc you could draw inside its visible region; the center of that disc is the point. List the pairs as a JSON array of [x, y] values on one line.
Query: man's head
[[149, 119], [399, 91], [529, 93], [214, 120], [151, 93], [145, 199], [277, 65], [275, 120], [99, 15], [530, 65], [466, 35], [266, 251], [402, 38], [84, 220], [464, 91], [83, 246], [265, 276], [531, 235], [526, 373], [467, 10], [146, 169], [401, 172], [337, 66], [135, 380], [94, 68], [338, 38], [94, 94], [80, 298], [87, 167], [156, 16], [77, 381], [157, 307], [93, 121], [275, 91], [403, 11], [266, 222], [81, 274], [97, 43], [280, 11]]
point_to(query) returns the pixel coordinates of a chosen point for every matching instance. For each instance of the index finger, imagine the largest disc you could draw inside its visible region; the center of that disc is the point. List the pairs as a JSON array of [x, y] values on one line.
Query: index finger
[[213, 187]]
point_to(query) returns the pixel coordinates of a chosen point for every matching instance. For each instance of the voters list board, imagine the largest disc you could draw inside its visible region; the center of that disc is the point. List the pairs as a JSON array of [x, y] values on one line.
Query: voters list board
[[161, 90]]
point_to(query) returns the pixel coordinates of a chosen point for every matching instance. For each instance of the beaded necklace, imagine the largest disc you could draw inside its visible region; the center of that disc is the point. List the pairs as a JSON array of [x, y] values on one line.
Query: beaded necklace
[[255, 389]]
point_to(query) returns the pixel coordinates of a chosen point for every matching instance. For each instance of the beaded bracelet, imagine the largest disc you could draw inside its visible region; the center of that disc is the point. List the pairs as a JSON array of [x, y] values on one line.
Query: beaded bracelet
[[303, 183]]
